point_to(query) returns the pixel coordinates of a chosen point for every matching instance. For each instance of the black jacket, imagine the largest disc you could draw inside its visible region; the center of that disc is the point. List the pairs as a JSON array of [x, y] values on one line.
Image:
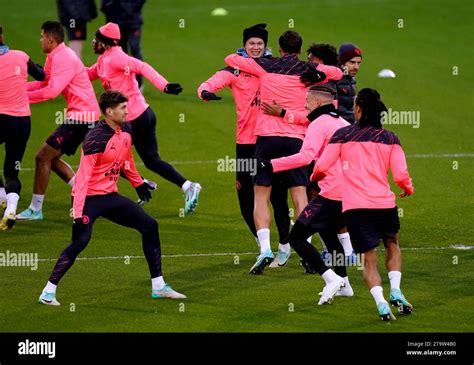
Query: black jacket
[[123, 12], [80, 10], [346, 92]]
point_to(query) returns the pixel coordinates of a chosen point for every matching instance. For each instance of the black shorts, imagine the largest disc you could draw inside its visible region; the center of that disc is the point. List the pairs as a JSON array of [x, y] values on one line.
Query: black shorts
[[78, 33], [68, 136], [368, 226], [275, 147], [322, 214], [14, 132]]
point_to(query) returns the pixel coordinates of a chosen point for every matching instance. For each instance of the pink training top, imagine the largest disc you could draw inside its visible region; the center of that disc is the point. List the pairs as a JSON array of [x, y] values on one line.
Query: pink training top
[[13, 78], [244, 89], [118, 71], [317, 137], [66, 75], [365, 156], [280, 81], [104, 153]]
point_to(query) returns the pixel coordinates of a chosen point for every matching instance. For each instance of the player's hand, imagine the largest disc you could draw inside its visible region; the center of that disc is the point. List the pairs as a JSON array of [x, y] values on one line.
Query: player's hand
[[407, 192], [312, 76], [264, 165], [144, 192], [173, 89], [208, 96], [272, 109], [317, 176]]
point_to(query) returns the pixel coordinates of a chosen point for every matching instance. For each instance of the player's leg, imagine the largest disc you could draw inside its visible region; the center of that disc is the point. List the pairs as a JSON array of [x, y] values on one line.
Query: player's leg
[[77, 35], [281, 214], [63, 170], [244, 187], [125, 212], [389, 225], [362, 226], [93, 208], [146, 144], [64, 140], [15, 146], [298, 241]]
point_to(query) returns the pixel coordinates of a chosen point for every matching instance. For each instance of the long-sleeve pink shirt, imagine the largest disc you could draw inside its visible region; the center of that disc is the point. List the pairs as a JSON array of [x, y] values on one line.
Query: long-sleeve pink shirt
[[245, 89], [280, 81], [105, 152], [117, 70], [66, 75], [13, 78], [317, 137], [365, 155]]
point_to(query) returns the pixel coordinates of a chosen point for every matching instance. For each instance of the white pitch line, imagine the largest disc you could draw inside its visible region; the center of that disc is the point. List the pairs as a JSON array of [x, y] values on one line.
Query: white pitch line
[[453, 247], [208, 162]]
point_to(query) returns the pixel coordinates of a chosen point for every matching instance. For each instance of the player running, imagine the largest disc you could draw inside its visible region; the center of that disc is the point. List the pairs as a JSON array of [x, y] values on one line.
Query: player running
[[66, 75], [284, 80], [117, 71], [367, 152], [245, 89], [106, 151], [323, 214], [15, 123]]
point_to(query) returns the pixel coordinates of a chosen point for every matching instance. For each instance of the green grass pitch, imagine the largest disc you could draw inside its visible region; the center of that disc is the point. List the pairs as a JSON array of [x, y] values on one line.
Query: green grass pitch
[[432, 56]]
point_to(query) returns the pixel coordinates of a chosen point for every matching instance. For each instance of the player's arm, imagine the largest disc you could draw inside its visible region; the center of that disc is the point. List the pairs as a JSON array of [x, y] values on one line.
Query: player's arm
[[248, 65], [60, 77], [81, 183], [333, 73], [92, 72], [312, 144], [399, 168], [220, 80], [286, 115], [328, 158], [142, 68], [36, 71]]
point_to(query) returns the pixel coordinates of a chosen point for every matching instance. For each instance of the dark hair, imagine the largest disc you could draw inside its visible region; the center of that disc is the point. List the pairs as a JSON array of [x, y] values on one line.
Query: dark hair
[[1, 30], [54, 29], [290, 41], [326, 52], [372, 108], [110, 99]]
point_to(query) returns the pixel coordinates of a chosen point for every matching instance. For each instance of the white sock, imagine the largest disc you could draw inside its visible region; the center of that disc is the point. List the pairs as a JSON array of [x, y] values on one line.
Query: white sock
[[330, 276], [3, 194], [345, 240], [37, 202], [157, 283], [50, 287], [284, 247], [71, 182], [395, 277], [322, 241], [264, 239], [186, 185], [12, 203], [258, 243], [377, 293], [309, 239]]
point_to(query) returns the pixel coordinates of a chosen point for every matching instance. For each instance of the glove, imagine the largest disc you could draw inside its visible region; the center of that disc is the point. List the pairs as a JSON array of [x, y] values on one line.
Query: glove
[[208, 96], [408, 192], [144, 192], [312, 76], [264, 165], [174, 89]]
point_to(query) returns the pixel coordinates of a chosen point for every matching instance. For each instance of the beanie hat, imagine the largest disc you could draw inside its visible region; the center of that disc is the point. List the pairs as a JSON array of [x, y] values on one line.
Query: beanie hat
[[348, 51], [257, 31], [109, 34]]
